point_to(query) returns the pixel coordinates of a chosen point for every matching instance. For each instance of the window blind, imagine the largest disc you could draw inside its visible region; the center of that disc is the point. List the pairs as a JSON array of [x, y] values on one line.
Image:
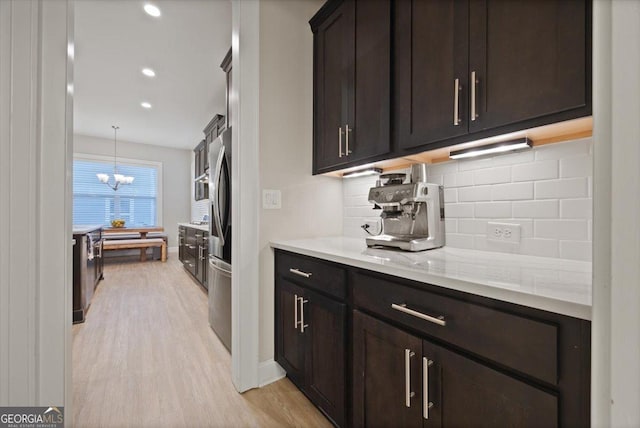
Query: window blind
[[96, 203]]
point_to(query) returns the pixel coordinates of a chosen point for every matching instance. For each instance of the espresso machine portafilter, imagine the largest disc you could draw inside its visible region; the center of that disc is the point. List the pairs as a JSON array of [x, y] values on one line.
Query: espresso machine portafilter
[[412, 212]]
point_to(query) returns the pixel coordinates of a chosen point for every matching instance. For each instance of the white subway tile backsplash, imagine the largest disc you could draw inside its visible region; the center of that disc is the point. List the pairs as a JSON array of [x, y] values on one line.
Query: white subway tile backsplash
[[472, 226], [450, 180], [543, 170], [576, 208], [435, 179], [473, 164], [535, 209], [357, 201], [563, 188], [361, 211], [450, 195], [580, 166], [460, 179], [473, 194], [492, 209], [458, 210], [564, 150], [512, 191], [540, 247], [546, 190], [561, 229], [576, 250], [459, 241], [524, 156], [492, 175], [442, 168]]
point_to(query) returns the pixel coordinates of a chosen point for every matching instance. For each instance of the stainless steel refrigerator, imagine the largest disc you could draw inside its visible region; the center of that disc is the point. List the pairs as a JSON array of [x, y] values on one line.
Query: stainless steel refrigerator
[[219, 277]]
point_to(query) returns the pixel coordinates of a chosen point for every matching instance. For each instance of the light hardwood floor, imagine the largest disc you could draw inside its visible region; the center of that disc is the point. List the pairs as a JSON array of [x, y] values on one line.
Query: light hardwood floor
[[146, 357]]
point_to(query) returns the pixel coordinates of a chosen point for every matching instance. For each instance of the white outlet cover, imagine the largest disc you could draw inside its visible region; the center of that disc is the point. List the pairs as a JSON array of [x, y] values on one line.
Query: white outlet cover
[[508, 233], [271, 199]]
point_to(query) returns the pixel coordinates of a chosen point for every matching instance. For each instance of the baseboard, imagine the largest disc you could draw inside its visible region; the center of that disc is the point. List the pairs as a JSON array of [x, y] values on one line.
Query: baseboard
[[172, 249], [268, 372]]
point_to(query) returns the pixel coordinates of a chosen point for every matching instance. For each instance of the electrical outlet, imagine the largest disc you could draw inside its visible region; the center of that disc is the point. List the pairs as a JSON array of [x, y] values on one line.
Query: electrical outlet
[[503, 232]]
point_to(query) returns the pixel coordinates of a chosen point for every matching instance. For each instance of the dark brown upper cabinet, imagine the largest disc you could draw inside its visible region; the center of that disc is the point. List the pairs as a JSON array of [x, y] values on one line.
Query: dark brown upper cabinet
[[465, 70], [352, 79], [201, 155]]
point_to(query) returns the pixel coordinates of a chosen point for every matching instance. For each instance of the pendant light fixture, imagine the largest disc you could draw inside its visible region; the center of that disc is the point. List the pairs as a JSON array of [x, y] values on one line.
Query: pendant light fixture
[[118, 179]]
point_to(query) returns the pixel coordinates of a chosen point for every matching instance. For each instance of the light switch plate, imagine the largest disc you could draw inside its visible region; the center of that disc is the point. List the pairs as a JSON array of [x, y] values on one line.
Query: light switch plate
[[271, 199]]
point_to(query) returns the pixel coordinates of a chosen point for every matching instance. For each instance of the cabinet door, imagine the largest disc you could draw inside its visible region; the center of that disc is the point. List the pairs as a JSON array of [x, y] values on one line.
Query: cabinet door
[[290, 341], [181, 243], [431, 54], [333, 75], [369, 114], [386, 375], [464, 393], [530, 59], [325, 354]]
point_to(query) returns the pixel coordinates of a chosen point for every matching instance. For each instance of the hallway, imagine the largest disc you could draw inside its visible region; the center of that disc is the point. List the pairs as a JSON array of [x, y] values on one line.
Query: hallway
[[146, 357]]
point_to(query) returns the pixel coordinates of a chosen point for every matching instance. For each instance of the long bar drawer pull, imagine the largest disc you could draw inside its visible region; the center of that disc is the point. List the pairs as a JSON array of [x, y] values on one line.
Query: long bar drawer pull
[[407, 377], [403, 308], [426, 363], [299, 272]]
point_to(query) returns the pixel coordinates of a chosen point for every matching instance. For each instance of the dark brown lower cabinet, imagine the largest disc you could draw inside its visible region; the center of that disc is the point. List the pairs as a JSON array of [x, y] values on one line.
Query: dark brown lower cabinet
[[310, 346], [374, 350], [401, 380]]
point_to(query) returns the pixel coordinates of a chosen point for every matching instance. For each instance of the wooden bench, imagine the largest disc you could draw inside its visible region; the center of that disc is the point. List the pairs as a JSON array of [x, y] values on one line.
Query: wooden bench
[[157, 253], [127, 244]]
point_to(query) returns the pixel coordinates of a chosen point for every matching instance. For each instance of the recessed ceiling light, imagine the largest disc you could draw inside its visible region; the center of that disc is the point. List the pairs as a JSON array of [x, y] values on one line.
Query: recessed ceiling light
[[145, 104], [152, 10], [148, 72]]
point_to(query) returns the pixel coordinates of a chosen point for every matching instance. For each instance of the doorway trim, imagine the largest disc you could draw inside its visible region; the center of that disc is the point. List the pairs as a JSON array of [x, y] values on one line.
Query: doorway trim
[[244, 106]]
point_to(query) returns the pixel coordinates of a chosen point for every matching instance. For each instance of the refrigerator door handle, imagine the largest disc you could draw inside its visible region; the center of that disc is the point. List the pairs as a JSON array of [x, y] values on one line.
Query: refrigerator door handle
[[215, 206], [220, 269]]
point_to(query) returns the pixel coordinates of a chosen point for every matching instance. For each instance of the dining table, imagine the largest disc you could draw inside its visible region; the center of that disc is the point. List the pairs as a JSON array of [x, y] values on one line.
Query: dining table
[[142, 230]]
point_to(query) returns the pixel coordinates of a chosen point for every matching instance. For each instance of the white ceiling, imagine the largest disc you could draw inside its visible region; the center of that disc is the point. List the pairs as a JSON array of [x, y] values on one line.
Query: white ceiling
[[185, 46]]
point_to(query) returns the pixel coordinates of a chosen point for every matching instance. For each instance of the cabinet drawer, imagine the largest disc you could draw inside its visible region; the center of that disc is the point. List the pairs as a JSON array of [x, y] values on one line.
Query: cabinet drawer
[[322, 276], [526, 345]]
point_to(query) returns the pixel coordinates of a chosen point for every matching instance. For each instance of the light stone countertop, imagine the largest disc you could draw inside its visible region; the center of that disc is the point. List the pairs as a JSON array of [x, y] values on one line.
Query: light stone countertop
[[204, 227], [554, 285], [83, 229]]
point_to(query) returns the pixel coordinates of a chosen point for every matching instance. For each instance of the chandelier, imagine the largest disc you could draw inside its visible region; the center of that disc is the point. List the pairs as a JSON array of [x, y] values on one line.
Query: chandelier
[[118, 179]]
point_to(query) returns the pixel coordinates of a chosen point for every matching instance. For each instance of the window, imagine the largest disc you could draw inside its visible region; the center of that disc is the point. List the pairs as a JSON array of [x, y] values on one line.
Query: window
[[96, 203]]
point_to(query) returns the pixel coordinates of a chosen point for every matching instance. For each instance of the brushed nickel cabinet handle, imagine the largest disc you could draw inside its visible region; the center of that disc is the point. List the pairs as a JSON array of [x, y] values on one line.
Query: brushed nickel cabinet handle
[[347, 152], [302, 324], [426, 363], [456, 102], [474, 83], [295, 313], [300, 273], [403, 308], [407, 377], [340, 141]]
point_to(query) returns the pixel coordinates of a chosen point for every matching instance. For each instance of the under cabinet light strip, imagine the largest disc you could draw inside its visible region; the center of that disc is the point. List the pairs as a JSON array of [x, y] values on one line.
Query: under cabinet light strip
[[504, 146], [362, 172]]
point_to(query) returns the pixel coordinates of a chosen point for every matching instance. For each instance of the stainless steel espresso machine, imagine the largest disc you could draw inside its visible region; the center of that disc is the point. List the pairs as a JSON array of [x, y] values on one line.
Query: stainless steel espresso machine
[[412, 213]]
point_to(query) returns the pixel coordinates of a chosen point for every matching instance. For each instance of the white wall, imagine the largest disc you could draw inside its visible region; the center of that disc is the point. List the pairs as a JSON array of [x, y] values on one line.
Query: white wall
[[35, 203], [546, 190], [177, 181], [625, 214], [311, 205]]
